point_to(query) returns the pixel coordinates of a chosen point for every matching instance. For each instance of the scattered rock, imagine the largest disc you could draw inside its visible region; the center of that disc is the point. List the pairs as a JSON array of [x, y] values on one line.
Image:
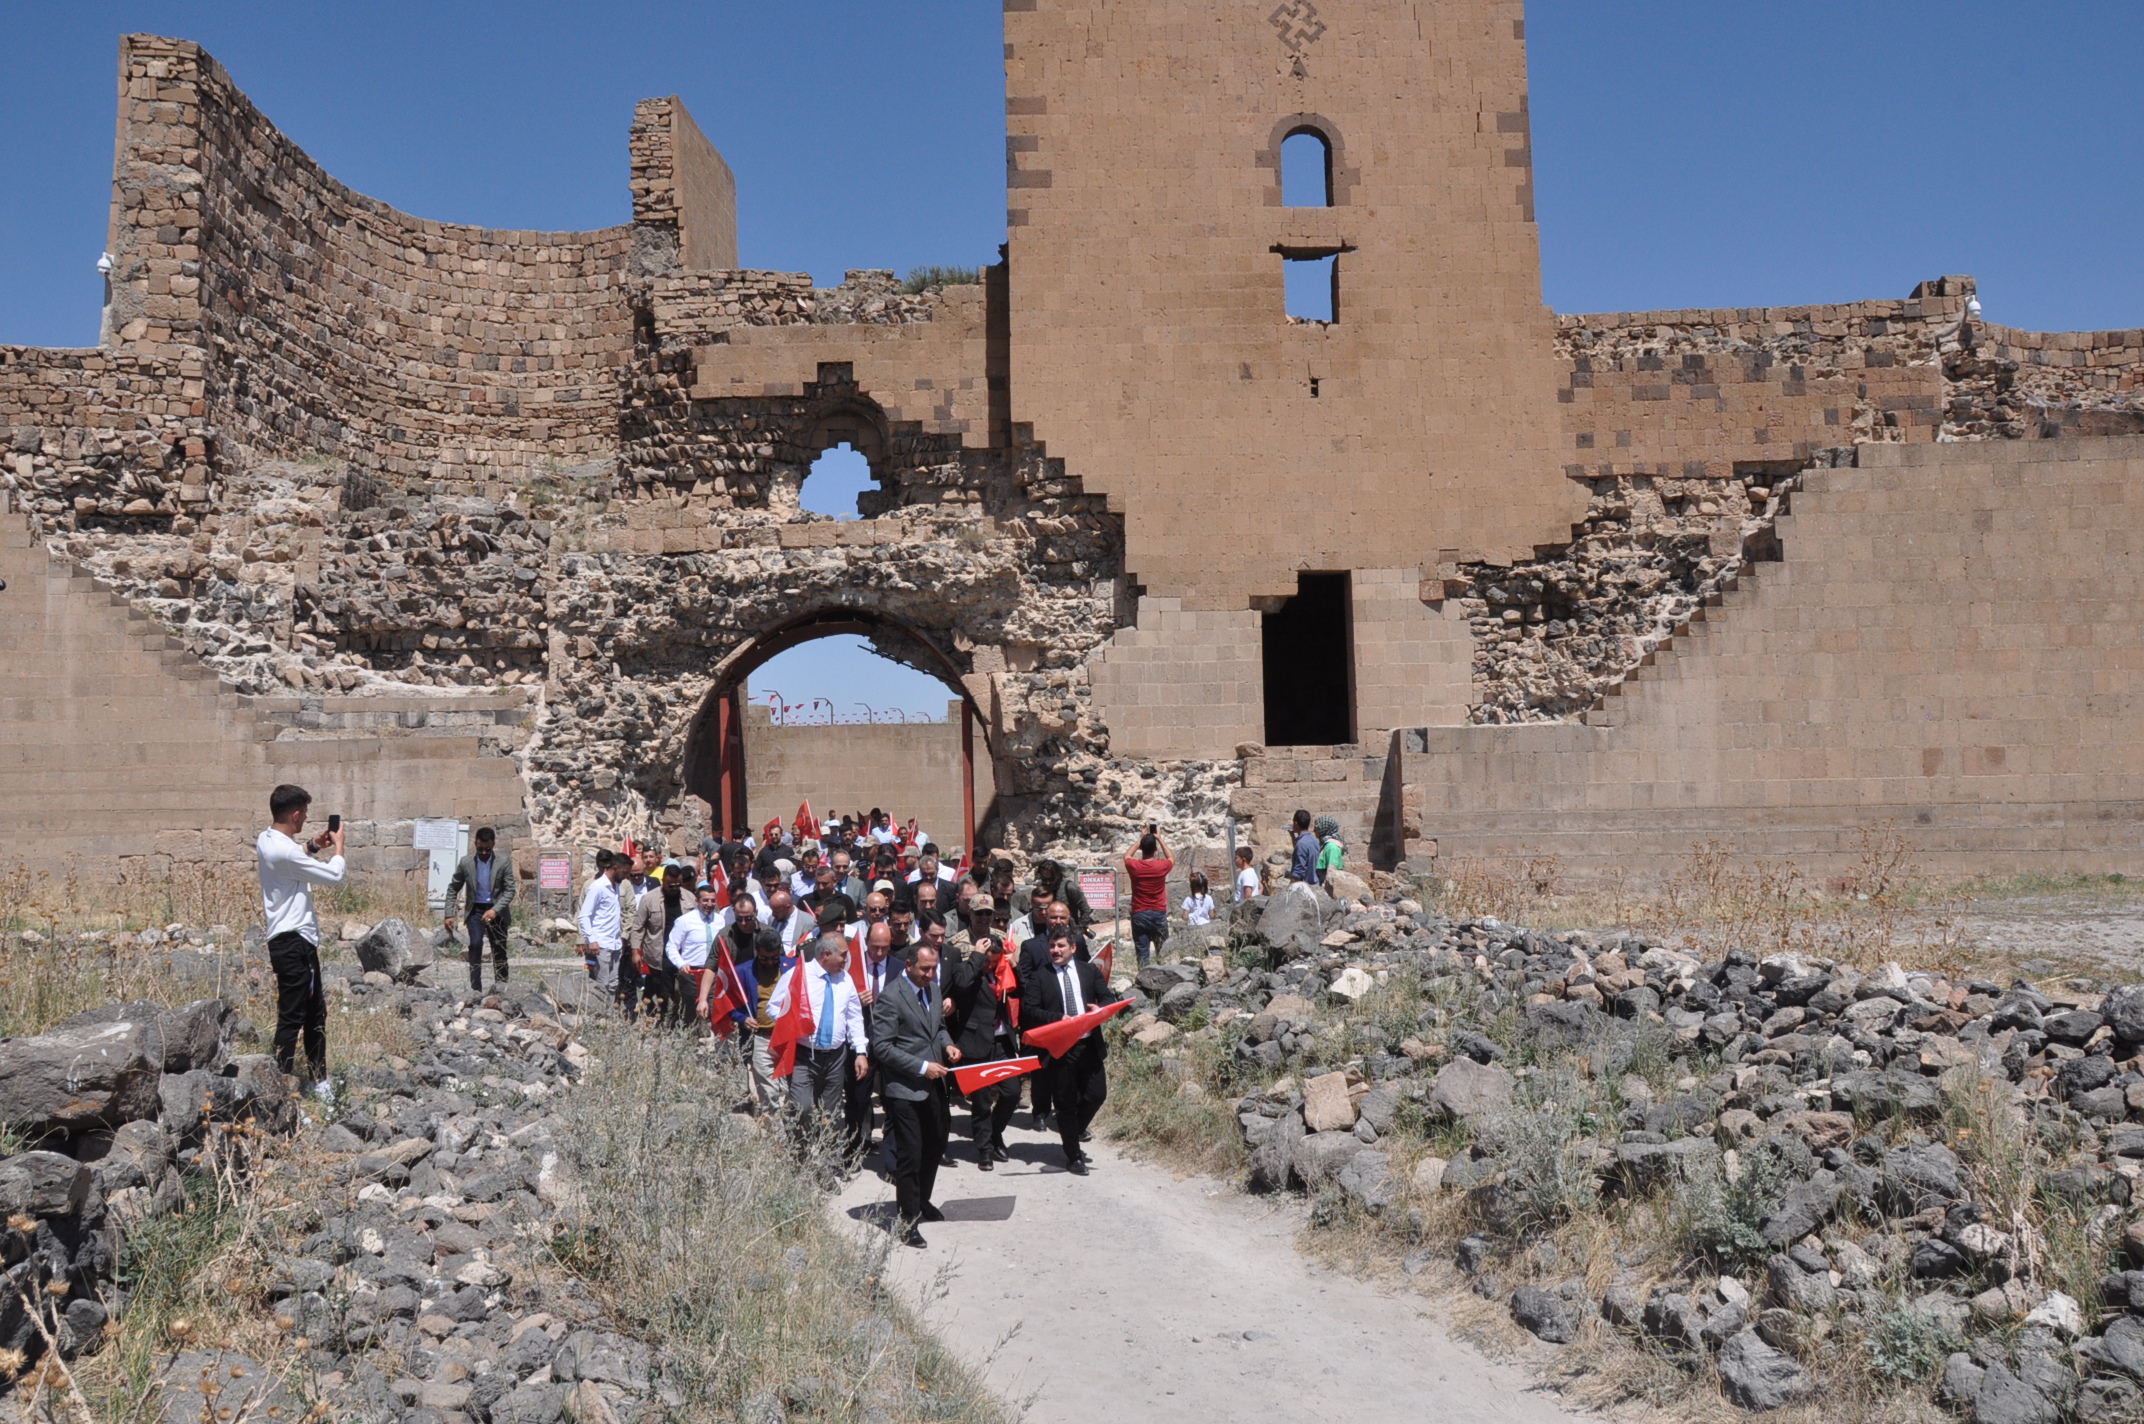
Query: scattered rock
[[1547, 1316], [1465, 1088], [1757, 1376]]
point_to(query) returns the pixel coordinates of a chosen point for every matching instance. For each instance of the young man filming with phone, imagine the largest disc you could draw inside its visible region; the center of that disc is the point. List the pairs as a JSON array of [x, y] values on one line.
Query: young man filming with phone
[[288, 872]]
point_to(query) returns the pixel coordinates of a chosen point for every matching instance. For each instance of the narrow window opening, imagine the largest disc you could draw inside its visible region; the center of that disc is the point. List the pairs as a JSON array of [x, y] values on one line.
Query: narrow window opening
[[838, 478], [1313, 285], [1306, 171], [1313, 387], [1310, 665]]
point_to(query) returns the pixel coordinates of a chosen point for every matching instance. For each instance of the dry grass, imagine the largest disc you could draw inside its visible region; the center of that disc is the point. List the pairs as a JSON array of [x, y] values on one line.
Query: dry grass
[[706, 1234]]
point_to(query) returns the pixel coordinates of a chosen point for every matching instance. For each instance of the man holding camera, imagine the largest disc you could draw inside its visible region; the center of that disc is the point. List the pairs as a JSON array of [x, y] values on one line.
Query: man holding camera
[[288, 873], [489, 880]]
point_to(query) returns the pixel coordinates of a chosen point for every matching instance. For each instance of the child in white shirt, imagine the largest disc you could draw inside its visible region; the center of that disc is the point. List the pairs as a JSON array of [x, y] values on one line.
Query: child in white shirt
[[1198, 905], [1248, 885]]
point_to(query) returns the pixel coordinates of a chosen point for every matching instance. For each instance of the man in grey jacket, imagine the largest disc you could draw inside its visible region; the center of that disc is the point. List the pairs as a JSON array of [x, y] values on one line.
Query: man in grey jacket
[[487, 877], [910, 1045]]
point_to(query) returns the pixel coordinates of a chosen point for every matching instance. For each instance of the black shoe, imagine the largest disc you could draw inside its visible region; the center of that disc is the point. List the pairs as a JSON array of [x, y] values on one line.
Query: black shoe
[[997, 1150], [930, 1213], [1086, 1134], [913, 1237], [1042, 1122], [947, 1161], [1077, 1166], [983, 1162]]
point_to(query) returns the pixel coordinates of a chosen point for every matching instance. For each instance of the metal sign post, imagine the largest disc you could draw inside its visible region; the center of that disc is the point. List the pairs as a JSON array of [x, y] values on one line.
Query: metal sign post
[[448, 841]]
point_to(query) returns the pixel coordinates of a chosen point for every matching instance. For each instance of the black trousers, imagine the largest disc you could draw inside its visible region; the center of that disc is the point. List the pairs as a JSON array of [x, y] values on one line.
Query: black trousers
[[1079, 1087], [301, 1004], [919, 1128], [629, 982], [856, 1110], [991, 1107], [478, 933]]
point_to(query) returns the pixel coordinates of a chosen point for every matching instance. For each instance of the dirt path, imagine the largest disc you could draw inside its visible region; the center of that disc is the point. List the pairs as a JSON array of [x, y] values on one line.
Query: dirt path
[[1172, 1300]]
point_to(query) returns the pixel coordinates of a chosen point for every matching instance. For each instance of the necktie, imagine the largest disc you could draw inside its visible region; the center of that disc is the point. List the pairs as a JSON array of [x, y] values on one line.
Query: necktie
[[826, 1016], [1069, 986], [923, 1000]]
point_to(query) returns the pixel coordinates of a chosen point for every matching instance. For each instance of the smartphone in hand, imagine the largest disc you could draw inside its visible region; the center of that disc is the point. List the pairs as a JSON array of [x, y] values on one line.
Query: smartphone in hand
[[334, 824]]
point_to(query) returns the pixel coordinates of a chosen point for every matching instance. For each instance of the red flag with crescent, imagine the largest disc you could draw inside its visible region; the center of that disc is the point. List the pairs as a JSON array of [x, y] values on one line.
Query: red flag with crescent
[[728, 996], [806, 824], [1105, 959], [1057, 1038], [794, 1025], [982, 1075]]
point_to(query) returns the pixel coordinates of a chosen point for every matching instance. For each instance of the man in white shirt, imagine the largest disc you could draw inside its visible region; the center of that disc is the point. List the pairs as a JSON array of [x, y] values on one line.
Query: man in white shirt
[[928, 866], [836, 1051], [691, 946], [602, 920], [288, 874]]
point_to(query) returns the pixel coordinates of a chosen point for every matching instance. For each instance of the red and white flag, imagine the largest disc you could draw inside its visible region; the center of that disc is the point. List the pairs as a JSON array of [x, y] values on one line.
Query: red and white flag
[[728, 996], [982, 1075], [794, 1026], [806, 824], [1056, 1039], [1105, 959]]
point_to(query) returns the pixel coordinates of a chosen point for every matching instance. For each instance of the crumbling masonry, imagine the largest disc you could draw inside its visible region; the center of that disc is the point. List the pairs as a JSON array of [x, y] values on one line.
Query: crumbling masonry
[[467, 522]]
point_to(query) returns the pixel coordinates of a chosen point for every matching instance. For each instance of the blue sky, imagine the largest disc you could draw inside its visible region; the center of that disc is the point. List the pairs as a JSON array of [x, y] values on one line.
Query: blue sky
[[1686, 154]]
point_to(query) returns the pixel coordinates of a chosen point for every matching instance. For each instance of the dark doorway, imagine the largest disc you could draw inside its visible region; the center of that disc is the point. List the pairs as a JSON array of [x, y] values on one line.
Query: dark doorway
[[1310, 665]]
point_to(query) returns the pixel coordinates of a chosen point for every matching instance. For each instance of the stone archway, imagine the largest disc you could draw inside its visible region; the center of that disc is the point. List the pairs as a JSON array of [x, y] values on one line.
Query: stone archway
[[714, 765]]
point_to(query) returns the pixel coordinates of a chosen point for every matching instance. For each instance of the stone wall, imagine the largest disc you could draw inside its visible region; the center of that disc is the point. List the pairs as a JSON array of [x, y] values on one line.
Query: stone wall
[[910, 769], [1947, 645]]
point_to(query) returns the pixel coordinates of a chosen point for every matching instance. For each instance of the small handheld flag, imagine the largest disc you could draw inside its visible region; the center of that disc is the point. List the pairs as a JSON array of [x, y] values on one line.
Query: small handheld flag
[[982, 1075], [1105, 959], [1057, 1038], [793, 1026], [728, 996]]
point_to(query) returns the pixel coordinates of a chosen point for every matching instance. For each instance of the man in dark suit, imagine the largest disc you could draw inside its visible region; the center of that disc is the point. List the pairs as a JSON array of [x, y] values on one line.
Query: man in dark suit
[[1078, 1083], [911, 1048], [977, 985], [486, 876], [1035, 959]]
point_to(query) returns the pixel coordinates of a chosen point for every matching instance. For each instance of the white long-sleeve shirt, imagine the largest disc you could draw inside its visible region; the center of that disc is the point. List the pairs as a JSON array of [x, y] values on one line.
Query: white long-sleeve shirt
[[848, 1016], [692, 938], [288, 876], [602, 918]]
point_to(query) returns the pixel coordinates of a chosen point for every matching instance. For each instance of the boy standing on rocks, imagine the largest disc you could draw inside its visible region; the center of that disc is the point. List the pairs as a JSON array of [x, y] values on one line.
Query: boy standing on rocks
[[288, 874]]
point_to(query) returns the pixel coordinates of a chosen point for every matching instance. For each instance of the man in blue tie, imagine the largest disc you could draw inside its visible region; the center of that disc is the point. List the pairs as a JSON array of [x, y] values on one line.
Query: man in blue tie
[[837, 1049], [910, 1044]]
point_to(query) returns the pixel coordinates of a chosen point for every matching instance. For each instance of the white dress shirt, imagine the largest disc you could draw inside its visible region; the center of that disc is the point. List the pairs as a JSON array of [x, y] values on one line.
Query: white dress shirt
[[801, 884], [602, 918], [1068, 986], [799, 925], [692, 939], [288, 876], [877, 976], [848, 1017]]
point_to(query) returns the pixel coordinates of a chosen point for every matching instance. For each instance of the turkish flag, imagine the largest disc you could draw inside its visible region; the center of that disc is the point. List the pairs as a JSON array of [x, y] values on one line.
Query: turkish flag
[[1105, 959], [982, 1075], [794, 1025], [1057, 1038], [728, 996], [806, 824]]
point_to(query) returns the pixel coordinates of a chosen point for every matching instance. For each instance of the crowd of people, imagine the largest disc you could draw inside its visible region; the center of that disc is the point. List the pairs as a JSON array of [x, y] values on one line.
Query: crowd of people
[[849, 961]]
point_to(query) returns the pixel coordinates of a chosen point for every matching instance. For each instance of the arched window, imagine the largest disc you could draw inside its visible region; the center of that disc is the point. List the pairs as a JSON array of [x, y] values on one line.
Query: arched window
[[838, 478], [1306, 170]]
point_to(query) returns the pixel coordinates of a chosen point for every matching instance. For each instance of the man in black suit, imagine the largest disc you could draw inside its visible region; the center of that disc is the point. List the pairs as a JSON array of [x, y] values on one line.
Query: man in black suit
[[910, 1045], [981, 1026], [1035, 959], [1078, 1083]]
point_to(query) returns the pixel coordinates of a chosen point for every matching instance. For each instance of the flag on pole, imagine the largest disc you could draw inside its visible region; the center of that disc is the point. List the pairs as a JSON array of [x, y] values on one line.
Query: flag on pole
[[1057, 1038], [1105, 959], [728, 996], [793, 1026], [806, 824], [982, 1075]]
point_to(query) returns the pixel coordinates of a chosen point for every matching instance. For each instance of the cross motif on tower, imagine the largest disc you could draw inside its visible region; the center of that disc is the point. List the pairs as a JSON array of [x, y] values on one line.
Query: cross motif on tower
[[1298, 24]]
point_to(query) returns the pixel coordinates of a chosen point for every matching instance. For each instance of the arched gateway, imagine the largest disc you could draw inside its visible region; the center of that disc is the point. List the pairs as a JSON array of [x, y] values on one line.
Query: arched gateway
[[715, 746]]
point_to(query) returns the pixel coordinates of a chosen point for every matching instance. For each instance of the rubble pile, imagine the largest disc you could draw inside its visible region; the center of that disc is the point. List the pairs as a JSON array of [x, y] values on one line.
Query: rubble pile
[[1821, 1153]]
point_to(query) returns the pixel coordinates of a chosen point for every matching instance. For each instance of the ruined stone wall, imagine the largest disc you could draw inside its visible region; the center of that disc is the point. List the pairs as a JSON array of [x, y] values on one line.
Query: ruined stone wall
[[416, 348], [1947, 644], [107, 439]]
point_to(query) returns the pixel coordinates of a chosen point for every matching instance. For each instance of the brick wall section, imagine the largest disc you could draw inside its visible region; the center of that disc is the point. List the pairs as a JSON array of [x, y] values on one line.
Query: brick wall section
[[1948, 645], [910, 769], [1150, 344], [117, 747], [417, 348], [105, 438]]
